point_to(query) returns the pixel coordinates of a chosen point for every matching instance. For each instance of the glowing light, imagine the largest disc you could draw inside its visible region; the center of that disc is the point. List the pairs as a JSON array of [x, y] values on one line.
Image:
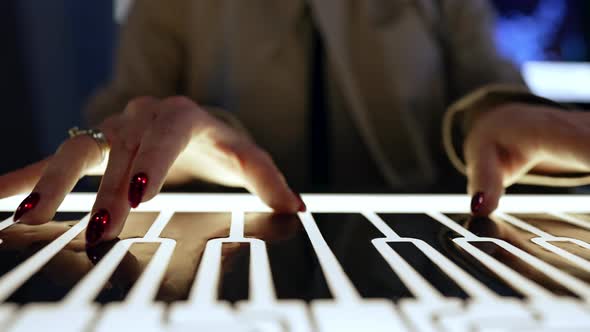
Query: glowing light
[[560, 81]]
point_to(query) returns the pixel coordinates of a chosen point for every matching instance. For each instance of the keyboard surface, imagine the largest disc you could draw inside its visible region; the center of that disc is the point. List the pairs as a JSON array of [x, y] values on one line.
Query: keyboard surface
[[224, 262]]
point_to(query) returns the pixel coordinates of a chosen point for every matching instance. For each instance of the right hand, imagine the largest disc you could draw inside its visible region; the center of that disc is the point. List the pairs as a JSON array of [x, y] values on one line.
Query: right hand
[[157, 140]]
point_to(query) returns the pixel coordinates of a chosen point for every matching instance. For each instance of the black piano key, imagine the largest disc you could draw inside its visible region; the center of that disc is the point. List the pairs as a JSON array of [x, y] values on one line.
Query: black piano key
[[294, 266], [427, 269], [349, 237], [127, 273], [191, 230], [439, 236], [235, 272], [69, 216]]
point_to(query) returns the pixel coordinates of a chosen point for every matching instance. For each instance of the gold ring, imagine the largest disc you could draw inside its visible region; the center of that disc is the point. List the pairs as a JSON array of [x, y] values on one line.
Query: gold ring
[[97, 135]]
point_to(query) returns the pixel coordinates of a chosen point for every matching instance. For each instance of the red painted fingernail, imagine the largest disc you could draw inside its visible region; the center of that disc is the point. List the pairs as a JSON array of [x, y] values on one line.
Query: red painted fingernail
[[137, 188], [96, 253], [477, 202], [97, 226], [302, 207], [26, 205]]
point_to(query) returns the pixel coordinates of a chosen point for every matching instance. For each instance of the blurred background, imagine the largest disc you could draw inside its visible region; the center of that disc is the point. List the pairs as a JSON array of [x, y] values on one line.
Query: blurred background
[[55, 53]]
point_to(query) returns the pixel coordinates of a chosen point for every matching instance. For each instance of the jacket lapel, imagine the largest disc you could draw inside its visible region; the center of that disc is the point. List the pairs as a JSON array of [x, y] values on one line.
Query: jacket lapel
[[358, 55]]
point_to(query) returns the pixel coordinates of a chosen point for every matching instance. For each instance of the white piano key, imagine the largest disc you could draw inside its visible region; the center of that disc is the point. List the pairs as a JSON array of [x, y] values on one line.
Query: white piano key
[[7, 314], [423, 316], [52, 317], [7, 223], [124, 317], [370, 315], [451, 224], [381, 225], [189, 316], [291, 314], [498, 315], [236, 230], [562, 313]]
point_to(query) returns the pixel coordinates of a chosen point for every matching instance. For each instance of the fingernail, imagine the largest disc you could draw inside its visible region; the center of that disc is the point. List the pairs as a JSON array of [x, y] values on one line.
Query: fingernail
[[137, 188], [97, 226], [26, 205], [477, 202], [302, 207]]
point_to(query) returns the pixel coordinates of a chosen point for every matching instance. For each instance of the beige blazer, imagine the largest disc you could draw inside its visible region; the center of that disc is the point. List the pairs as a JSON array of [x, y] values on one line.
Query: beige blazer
[[396, 64]]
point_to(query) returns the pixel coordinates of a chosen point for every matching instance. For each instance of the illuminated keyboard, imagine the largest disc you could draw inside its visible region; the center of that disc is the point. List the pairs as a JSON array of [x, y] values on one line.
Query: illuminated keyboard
[[192, 262]]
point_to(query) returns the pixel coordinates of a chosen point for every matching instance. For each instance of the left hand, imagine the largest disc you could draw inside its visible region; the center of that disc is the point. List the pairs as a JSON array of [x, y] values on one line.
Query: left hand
[[513, 139]]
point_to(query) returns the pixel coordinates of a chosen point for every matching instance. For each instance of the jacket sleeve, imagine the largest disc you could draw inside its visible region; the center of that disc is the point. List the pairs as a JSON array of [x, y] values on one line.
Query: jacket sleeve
[[473, 61], [480, 78]]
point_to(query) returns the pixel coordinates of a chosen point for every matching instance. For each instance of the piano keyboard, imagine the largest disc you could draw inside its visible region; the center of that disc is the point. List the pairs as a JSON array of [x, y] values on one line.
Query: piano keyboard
[[224, 262]]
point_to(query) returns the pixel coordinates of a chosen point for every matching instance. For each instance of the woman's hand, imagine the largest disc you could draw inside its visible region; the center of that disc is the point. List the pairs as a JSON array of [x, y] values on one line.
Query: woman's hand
[[152, 140], [514, 139]]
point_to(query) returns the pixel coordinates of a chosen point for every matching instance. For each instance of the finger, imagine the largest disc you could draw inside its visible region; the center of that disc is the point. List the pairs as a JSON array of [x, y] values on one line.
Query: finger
[[110, 209], [58, 178], [492, 167], [485, 179], [177, 122], [22, 180], [263, 178]]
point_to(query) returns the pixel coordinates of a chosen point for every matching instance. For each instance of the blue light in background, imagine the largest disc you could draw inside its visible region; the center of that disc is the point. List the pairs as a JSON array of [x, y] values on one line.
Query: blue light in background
[[524, 38]]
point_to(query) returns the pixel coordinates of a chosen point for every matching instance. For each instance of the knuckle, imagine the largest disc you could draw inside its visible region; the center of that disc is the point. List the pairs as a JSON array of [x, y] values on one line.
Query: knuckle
[[174, 122], [51, 174], [263, 156], [177, 102], [152, 152], [139, 103], [108, 193], [126, 143], [69, 144]]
